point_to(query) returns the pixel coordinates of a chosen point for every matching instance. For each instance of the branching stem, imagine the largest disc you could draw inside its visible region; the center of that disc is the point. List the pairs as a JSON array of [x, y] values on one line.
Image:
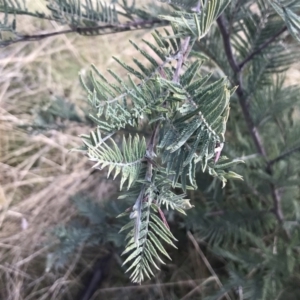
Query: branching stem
[[237, 68], [284, 155], [150, 154], [262, 47]]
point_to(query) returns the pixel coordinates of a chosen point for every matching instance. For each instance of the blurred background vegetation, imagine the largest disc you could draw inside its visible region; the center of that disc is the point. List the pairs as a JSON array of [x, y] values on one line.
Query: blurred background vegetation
[[39, 177]]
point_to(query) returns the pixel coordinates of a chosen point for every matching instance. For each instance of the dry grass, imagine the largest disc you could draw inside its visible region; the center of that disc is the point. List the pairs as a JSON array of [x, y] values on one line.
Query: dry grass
[[38, 174]]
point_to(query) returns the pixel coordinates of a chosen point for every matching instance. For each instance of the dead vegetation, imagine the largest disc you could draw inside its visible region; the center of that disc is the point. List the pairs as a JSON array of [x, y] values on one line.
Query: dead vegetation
[[38, 173]]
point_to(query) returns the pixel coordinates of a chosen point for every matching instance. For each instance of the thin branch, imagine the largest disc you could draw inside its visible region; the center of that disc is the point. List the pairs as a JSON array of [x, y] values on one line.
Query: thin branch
[[100, 272], [284, 155], [88, 31], [226, 39], [218, 213], [228, 49], [206, 262], [277, 209], [199, 288], [183, 53], [150, 154], [190, 282], [262, 47], [240, 90]]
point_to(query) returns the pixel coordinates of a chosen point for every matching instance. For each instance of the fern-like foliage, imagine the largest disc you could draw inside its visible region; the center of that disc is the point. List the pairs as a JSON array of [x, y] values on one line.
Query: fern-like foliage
[[89, 228], [198, 25], [85, 17], [187, 5], [164, 129], [145, 241], [126, 159], [240, 222], [18, 7], [83, 13], [8, 24], [56, 113], [187, 113], [192, 134], [287, 11]]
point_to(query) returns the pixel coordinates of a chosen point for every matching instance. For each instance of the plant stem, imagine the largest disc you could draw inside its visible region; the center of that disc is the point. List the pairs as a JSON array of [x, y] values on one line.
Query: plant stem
[[262, 47], [150, 154], [284, 155], [88, 31], [183, 53], [277, 209]]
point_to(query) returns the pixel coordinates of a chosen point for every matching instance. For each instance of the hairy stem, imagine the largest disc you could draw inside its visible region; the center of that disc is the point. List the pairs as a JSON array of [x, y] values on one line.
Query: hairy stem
[[150, 154], [183, 53]]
